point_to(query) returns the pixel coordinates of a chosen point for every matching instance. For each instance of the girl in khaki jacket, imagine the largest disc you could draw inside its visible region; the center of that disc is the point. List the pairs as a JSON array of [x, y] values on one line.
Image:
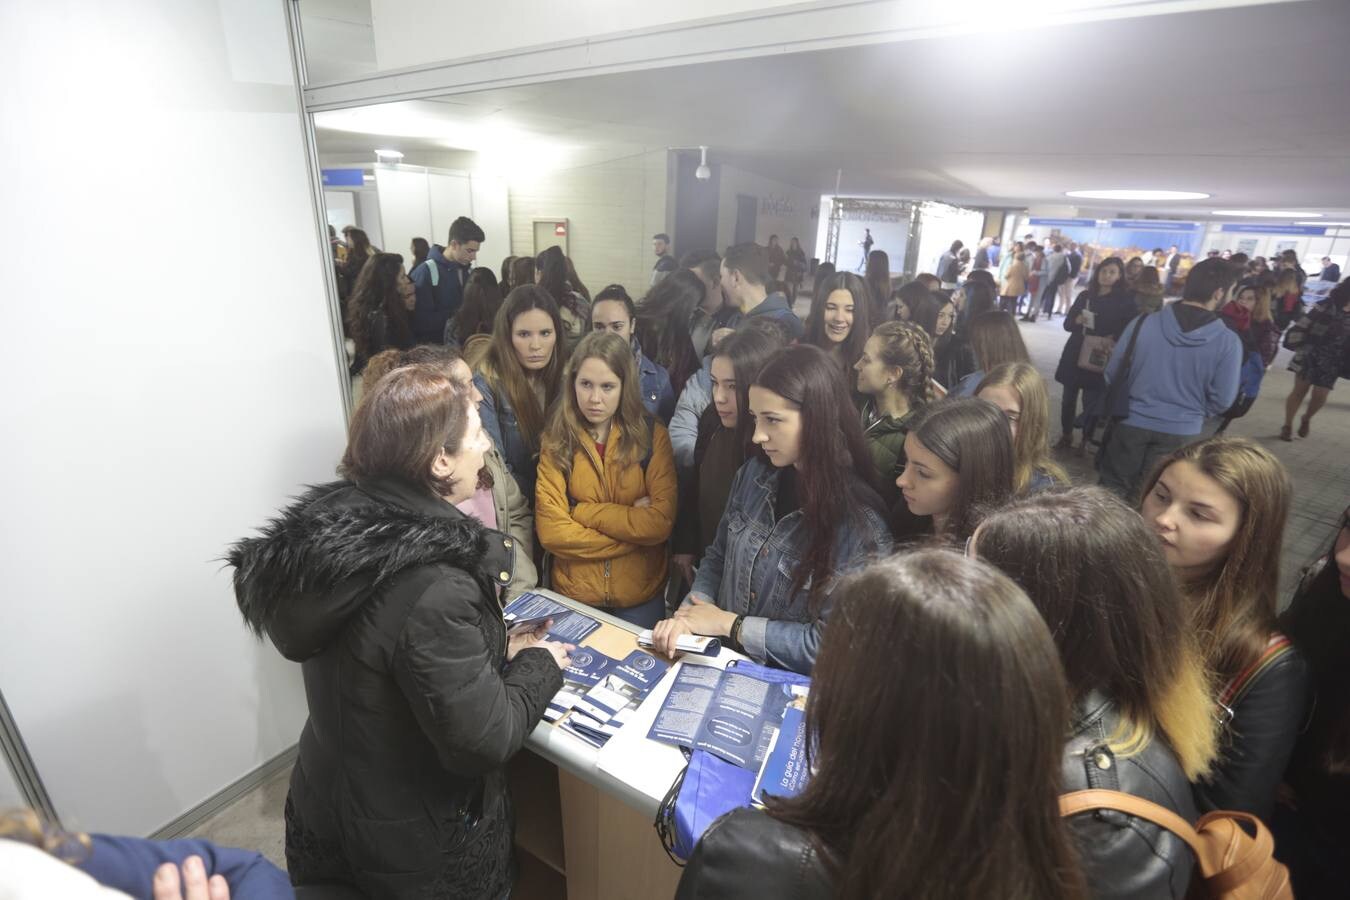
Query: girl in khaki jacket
[[605, 496]]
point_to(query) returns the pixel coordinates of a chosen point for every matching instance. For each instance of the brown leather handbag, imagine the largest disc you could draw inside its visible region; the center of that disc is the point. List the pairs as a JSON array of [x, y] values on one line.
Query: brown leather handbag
[[1233, 863]]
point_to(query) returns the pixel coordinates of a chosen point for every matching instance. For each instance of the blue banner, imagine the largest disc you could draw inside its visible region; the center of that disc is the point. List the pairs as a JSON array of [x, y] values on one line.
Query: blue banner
[[1154, 225], [1065, 223], [343, 177], [1312, 230]]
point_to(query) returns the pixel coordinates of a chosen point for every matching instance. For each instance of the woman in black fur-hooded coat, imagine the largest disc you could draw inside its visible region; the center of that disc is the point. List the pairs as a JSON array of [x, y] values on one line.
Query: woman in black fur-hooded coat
[[388, 597]]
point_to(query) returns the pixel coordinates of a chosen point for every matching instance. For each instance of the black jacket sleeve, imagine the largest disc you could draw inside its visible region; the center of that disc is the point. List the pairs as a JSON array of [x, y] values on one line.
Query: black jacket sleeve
[[476, 713], [1257, 743], [747, 853]]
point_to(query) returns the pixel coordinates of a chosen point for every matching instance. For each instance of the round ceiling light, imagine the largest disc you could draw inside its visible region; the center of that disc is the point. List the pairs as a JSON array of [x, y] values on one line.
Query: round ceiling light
[[1267, 213], [390, 154], [1131, 194]]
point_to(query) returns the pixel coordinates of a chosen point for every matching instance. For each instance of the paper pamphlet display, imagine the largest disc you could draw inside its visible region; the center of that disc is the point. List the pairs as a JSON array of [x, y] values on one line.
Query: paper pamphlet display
[[730, 714]]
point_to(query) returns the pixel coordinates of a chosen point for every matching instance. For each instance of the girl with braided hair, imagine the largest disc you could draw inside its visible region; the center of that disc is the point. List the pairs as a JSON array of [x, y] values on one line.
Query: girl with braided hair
[[895, 375]]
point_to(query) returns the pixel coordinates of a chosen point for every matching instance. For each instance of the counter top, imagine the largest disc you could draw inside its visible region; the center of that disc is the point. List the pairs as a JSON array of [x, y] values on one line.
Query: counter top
[[631, 767]]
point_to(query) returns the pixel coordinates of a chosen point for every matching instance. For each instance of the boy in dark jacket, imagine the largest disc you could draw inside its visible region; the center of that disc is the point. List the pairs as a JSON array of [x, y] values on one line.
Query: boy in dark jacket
[[439, 282]]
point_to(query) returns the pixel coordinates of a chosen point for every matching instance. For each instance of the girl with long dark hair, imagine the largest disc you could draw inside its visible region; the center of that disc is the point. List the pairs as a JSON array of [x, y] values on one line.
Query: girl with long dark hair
[[420, 251], [878, 278], [796, 269], [1099, 315], [478, 312], [840, 319], [605, 500], [550, 273], [913, 302], [952, 357], [505, 281], [895, 379], [802, 512], [1143, 719], [958, 459], [1312, 835], [723, 443], [378, 308], [1219, 507], [1322, 355], [519, 379], [994, 340], [664, 319], [937, 778]]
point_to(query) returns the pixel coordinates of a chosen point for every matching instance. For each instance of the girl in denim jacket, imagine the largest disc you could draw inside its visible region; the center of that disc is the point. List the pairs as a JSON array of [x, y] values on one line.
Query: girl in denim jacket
[[802, 512]]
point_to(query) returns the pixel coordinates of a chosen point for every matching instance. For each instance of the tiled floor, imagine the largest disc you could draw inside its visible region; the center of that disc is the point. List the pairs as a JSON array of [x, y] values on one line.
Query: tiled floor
[[1319, 466]]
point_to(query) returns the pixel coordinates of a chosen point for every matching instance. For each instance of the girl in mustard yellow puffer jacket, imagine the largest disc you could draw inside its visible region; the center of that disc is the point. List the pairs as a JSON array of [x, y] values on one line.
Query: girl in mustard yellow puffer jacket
[[605, 497]]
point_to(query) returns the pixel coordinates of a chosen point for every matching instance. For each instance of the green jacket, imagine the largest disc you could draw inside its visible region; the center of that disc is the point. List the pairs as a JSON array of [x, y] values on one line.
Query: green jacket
[[886, 439]]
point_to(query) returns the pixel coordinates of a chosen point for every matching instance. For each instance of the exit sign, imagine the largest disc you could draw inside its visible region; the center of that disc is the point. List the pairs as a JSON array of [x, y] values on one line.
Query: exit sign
[[560, 230]]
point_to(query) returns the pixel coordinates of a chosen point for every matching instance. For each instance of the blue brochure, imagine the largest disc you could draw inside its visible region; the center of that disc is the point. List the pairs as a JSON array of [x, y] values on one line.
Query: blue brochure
[[588, 666], [569, 626], [728, 713], [785, 771]]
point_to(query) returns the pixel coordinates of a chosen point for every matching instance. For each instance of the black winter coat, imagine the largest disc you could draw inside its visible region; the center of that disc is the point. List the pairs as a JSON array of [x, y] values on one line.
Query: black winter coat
[[748, 853], [1112, 313], [1122, 856], [388, 597]]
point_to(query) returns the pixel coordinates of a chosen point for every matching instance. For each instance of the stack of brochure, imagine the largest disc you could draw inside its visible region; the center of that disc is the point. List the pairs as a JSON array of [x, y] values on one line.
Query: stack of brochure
[[530, 610], [600, 693]]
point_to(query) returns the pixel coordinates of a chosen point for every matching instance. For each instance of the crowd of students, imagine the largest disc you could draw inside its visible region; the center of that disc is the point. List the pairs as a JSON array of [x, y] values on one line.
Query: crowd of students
[[869, 491]]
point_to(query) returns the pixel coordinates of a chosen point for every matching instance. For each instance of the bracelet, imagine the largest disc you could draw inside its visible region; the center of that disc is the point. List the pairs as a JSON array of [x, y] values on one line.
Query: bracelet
[[735, 636]]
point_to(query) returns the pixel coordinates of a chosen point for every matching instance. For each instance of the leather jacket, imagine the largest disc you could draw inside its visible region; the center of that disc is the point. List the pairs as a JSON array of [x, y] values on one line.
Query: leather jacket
[[1122, 856], [748, 853]]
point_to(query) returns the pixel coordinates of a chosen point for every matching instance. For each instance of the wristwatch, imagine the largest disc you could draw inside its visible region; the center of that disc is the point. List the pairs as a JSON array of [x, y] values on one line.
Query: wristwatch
[[734, 637]]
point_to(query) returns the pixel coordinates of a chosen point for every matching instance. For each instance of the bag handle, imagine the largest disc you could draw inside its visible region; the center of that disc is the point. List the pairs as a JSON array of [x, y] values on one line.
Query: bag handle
[[1076, 802]]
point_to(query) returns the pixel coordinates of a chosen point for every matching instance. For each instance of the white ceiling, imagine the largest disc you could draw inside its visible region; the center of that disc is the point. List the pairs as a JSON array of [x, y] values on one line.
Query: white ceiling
[[1248, 104]]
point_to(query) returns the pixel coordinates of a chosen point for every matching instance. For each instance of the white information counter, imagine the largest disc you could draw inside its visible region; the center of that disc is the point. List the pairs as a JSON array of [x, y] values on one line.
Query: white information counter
[[584, 816]]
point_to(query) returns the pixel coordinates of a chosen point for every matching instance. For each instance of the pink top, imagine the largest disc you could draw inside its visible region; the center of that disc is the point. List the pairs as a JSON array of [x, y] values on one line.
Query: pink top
[[481, 507]]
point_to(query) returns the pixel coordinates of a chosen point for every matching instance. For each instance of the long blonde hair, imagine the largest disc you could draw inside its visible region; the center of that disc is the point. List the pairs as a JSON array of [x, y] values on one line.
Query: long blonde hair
[[566, 432], [1031, 447], [1233, 607]]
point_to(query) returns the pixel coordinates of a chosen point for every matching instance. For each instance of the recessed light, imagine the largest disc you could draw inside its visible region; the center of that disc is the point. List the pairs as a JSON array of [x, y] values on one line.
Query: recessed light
[[1267, 213], [1137, 195], [391, 154]]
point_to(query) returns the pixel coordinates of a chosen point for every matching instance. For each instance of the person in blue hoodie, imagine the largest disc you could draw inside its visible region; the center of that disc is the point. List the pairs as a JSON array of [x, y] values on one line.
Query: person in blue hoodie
[[1185, 369], [439, 282], [745, 276]]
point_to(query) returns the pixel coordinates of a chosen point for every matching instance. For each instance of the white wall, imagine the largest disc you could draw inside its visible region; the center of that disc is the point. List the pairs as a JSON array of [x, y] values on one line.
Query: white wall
[[614, 208], [410, 32], [784, 209], [165, 395]]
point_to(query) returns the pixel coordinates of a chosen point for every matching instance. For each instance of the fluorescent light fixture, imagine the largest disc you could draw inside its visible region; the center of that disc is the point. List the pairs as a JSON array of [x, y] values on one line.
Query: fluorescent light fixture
[[1327, 224], [390, 154], [1132, 194], [1267, 213]]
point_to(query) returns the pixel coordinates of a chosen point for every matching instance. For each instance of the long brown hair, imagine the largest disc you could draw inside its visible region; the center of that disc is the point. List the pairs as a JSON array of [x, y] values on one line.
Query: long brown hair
[[972, 438], [749, 351], [478, 311], [502, 369], [376, 291], [834, 456], [1031, 447], [1098, 576], [1233, 606], [862, 316], [921, 792], [566, 431], [995, 339]]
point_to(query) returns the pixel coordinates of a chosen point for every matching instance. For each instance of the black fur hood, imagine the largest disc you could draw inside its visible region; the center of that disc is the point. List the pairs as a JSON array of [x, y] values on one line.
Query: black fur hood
[[320, 559]]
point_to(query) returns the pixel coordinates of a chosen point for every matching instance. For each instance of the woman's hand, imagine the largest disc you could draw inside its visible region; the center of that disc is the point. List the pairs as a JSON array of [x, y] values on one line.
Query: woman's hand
[[193, 885], [703, 617], [561, 653], [684, 563], [666, 633], [518, 642]]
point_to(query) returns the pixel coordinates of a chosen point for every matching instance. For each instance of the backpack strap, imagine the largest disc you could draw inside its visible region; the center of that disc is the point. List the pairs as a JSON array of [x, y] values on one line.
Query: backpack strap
[[1278, 646], [1076, 802]]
